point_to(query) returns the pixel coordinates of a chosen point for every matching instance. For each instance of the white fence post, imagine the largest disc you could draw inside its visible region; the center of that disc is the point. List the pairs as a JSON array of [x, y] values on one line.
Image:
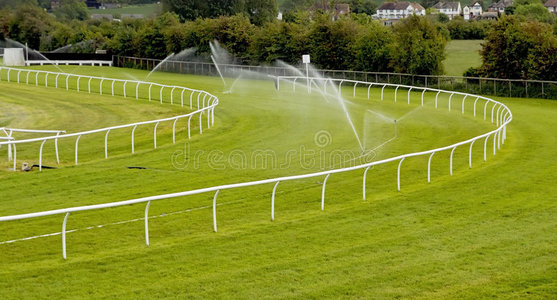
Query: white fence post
[[398, 174], [323, 191], [174, 131], [273, 201], [155, 135], [451, 161], [470, 155], [64, 235], [364, 183], [215, 211], [106, 144], [189, 122], [41, 156], [429, 167], [76, 145], [147, 223]]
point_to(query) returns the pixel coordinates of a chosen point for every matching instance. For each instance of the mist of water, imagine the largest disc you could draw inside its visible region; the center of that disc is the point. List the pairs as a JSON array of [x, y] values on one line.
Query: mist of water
[[9, 43], [64, 49], [156, 68]]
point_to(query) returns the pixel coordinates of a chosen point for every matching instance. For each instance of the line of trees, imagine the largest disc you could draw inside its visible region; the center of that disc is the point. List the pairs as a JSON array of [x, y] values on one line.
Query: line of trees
[[518, 49], [416, 45], [515, 46]]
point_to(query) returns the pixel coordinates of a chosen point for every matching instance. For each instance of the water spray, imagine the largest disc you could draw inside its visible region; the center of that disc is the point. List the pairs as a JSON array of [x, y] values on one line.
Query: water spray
[[218, 70]]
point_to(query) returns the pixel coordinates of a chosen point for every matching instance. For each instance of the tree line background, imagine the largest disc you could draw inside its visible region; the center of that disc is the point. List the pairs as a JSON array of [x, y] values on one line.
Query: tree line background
[[516, 46]]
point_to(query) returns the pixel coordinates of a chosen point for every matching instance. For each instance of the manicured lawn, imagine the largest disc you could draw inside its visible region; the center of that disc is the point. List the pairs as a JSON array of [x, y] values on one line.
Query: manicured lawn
[[461, 55], [145, 9], [483, 232]]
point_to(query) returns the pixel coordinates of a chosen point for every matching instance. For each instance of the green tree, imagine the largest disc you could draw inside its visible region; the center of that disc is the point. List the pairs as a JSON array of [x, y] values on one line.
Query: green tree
[[280, 41], [522, 50], [28, 25], [261, 11], [372, 49], [295, 5], [72, 9], [331, 41], [419, 47], [536, 12], [367, 7], [13, 4]]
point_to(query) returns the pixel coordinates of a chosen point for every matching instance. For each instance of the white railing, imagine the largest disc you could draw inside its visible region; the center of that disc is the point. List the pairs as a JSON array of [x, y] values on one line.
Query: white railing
[[205, 105], [69, 62], [503, 118]]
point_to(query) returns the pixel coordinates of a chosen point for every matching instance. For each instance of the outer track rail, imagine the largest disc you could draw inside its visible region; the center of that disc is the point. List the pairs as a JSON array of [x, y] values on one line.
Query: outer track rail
[[501, 116]]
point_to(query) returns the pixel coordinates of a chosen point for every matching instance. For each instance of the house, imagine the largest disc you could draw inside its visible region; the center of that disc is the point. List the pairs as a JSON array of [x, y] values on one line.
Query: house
[[500, 6], [337, 10], [54, 4], [551, 6], [472, 11], [109, 5], [451, 9], [399, 10]]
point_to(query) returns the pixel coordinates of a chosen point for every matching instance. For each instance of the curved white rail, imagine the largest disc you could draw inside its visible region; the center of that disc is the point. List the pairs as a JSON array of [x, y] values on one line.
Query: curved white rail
[[502, 119], [205, 104]]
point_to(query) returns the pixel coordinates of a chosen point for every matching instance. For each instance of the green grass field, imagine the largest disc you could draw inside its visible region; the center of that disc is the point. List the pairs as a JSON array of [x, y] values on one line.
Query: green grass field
[[461, 55], [147, 10], [484, 232]]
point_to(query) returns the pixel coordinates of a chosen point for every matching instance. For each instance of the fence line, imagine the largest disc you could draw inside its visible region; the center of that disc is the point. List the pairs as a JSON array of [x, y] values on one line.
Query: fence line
[[502, 119], [477, 85], [205, 105]]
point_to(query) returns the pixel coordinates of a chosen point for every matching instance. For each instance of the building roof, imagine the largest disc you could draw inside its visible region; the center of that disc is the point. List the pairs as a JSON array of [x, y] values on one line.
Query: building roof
[[399, 6], [446, 5], [502, 4], [551, 3]]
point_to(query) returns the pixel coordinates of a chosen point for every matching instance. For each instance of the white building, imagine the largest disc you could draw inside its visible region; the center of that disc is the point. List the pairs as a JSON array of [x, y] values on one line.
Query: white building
[[551, 6], [472, 11], [399, 10], [451, 9]]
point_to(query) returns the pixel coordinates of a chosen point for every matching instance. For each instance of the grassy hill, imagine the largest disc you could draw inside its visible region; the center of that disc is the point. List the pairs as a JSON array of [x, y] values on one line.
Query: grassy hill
[[486, 231], [461, 55], [147, 10]]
